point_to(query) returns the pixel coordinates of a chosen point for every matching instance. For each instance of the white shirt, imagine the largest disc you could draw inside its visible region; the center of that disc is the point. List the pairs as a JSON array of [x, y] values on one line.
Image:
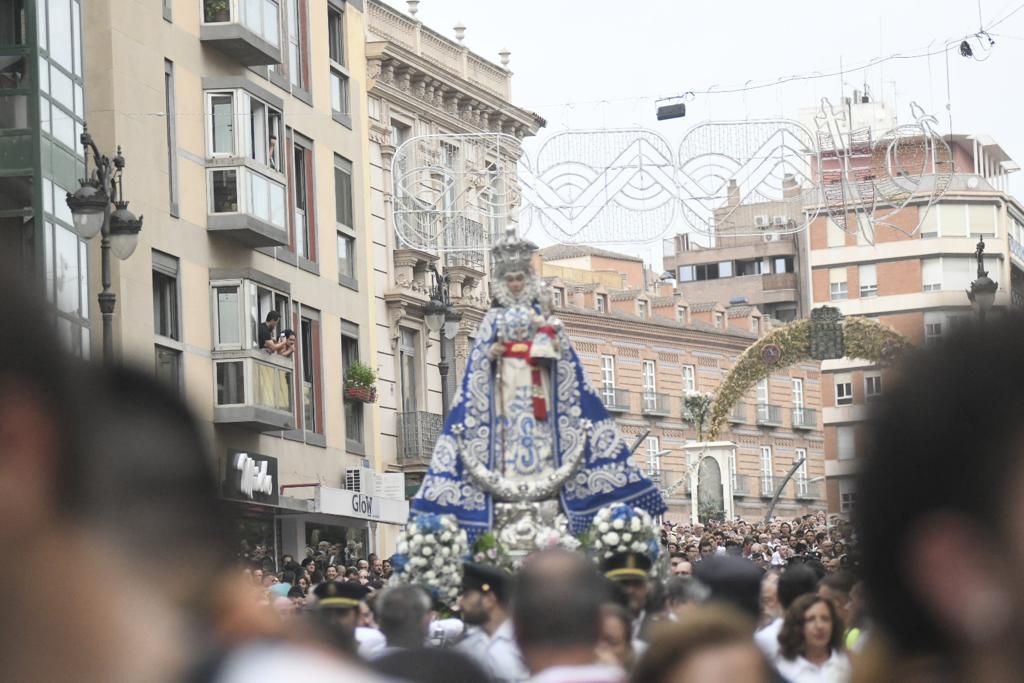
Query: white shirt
[[768, 638], [588, 673], [371, 642], [836, 669], [498, 654]]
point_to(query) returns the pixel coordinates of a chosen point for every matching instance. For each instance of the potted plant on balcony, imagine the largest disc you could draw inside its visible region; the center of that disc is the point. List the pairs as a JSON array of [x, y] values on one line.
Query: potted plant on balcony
[[361, 383]]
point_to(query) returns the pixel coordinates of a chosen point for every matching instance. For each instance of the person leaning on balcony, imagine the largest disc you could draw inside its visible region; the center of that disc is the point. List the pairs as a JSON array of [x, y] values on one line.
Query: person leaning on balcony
[[288, 339], [266, 334]]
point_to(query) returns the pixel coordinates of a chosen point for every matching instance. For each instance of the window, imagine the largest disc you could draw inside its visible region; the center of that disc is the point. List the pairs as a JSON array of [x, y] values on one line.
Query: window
[[408, 369], [952, 273], [836, 235], [719, 320], [733, 475], [689, 378], [13, 22], [755, 326], [298, 56], [303, 201], [844, 389], [802, 484], [681, 314], [847, 495], [239, 307], [798, 393], [960, 220], [558, 297], [934, 326], [763, 409], [165, 297], [344, 222], [872, 386], [767, 478], [172, 138], [687, 273], [336, 51], [725, 269], [608, 379], [354, 435], [400, 133], [749, 267], [168, 10], [641, 307], [868, 281], [602, 303], [653, 455], [837, 284], [166, 318], [650, 387], [241, 121], [311, 391], [931, 274], [783, 264], [706, 271], [845, 442]]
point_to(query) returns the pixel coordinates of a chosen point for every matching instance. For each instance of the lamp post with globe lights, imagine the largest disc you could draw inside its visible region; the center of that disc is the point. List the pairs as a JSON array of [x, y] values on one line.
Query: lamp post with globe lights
[[442, 319], [98, 208]]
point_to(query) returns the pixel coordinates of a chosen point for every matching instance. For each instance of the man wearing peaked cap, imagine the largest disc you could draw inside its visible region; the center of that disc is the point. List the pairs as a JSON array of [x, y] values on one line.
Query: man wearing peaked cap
[[337, 607], [490, 638], [631, 571]]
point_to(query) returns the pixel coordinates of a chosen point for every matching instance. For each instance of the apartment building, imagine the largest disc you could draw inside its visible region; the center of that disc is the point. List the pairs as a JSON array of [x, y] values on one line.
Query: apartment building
[[459, 188], [913, 280], [244, 126], [647, 349], [755, 258]]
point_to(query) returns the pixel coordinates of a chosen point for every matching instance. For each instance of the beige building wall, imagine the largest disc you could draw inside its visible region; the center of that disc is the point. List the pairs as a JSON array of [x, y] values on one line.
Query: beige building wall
[[126, 44]]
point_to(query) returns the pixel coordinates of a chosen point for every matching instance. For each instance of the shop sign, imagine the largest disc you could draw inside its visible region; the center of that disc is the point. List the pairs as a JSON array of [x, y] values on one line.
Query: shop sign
[[252, 477], [347, 503]]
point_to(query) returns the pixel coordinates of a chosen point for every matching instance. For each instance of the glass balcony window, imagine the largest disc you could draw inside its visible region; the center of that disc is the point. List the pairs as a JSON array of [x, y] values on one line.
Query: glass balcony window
[[262, 17], [254, 389], [257, 195]]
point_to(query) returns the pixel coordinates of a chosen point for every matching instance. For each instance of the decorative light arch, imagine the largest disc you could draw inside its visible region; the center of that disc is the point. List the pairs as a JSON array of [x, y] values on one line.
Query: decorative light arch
[[825, 335]]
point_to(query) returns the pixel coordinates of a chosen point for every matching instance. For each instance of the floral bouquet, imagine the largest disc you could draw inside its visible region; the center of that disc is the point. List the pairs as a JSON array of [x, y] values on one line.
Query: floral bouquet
[[619, 528], [431, 549]]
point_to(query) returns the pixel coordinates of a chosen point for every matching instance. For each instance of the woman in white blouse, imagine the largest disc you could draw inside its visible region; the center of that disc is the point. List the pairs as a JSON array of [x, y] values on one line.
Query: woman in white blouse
[[811, 643]]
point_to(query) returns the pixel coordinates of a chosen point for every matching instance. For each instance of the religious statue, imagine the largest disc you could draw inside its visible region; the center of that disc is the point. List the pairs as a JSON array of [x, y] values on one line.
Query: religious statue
[[528, 447]]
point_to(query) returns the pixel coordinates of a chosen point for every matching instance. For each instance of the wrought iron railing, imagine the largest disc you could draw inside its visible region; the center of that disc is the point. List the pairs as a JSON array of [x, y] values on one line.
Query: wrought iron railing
[[809, 490], [417, 434], [465, 238], [739, 414], [769, 415], [805, 418], [653, 403], [616, 400]]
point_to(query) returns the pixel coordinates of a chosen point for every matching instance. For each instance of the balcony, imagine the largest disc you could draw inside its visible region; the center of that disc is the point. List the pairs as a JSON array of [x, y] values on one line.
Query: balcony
[[769, 415], [247, 205], [247, 30], [744, 485], [776, 281], [254, 390], [805, 418], [417, 434], [465, 238], [766, 486], [655, 404], [616, 400], [739, 414], [809, 490]]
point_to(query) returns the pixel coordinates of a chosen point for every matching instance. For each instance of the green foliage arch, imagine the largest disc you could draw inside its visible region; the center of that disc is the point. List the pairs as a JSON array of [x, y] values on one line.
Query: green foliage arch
[[791, 344]]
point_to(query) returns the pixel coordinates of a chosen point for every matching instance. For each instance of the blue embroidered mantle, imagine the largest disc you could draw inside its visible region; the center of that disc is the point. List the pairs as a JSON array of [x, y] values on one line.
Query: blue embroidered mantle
[[605, 476]]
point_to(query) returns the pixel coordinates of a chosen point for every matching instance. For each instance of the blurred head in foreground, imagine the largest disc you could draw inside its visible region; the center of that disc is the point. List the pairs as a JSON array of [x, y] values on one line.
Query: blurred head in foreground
[[940, 504]]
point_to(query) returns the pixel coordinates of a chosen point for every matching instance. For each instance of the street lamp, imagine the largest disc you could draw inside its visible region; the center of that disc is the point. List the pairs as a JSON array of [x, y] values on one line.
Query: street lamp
[[442, 319], [982, 293], [97, 207]]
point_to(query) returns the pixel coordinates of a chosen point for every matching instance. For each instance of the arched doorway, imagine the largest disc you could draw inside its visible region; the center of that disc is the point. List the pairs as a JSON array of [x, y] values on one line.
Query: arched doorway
[[710, 496]]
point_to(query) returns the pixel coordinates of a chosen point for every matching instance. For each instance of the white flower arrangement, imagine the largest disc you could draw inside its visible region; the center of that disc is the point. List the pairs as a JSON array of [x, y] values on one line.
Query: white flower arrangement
[[430, 552], [619, 528]]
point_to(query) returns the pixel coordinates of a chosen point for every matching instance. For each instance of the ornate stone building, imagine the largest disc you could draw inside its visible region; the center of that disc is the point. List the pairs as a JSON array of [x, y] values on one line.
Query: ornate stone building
[[456, 187]]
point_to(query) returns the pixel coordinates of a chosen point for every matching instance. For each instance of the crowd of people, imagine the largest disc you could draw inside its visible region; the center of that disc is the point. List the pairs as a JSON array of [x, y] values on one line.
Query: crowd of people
[[783, 595]]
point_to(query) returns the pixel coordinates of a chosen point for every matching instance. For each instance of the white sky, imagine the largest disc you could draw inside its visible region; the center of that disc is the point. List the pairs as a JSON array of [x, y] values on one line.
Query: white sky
[[596, 63]]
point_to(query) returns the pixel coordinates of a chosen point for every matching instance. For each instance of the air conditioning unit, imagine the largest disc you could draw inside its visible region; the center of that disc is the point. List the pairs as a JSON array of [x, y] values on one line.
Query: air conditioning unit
[[761, 222], [770, 237], [360, 480], [779, 220]]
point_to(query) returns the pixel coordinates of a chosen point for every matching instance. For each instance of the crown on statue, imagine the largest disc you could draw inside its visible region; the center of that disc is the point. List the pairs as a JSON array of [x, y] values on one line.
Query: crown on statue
[[512, 254]]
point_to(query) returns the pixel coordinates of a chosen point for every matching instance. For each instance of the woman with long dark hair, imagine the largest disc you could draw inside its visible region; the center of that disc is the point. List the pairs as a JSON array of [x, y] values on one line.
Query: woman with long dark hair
[[811, 643]]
